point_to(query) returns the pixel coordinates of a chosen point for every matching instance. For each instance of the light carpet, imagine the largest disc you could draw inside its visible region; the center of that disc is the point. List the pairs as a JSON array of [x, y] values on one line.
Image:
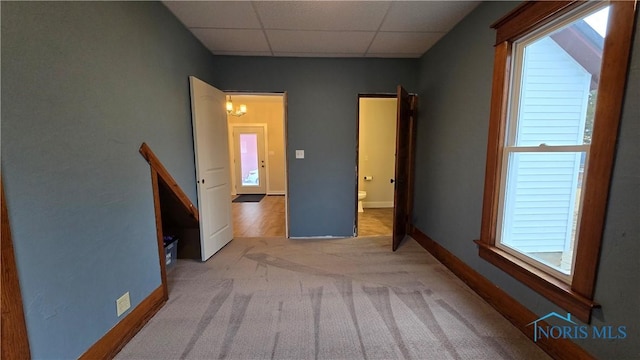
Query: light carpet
[[275, 298]]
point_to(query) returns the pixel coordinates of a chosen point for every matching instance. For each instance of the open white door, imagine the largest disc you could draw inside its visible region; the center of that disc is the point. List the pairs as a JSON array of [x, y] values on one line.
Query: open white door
[[211, 147]]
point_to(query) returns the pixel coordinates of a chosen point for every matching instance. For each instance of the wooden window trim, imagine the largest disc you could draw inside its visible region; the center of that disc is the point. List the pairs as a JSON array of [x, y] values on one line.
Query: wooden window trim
[[576, 298]]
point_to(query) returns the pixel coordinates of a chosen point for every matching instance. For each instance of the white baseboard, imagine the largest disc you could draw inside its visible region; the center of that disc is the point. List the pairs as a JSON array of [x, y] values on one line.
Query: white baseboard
[[377, 204]]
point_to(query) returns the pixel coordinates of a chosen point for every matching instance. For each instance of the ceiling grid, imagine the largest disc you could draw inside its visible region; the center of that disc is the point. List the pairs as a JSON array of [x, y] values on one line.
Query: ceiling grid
[[391, 29]]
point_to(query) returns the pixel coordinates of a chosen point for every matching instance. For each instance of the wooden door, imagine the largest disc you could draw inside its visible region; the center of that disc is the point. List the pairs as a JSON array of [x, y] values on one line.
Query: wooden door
[[403, 190], [211, 147]]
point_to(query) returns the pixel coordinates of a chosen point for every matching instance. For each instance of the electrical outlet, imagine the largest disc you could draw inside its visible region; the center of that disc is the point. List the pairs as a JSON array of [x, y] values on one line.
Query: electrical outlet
[[123, 303]]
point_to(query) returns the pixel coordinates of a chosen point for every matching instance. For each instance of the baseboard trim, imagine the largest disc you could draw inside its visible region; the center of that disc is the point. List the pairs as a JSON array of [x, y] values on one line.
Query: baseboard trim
[[114, 340], [509, 307], [377, 204]]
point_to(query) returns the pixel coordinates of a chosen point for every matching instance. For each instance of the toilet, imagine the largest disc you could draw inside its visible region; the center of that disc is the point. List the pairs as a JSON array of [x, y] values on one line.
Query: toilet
[[361, 196]]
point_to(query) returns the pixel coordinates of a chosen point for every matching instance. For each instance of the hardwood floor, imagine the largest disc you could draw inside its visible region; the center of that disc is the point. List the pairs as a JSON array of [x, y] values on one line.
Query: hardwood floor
[[375, 222], [267, 218], [264, 218]]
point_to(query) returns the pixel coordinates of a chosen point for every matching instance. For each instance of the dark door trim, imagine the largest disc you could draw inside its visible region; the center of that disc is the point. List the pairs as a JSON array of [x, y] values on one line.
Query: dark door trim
[[401, 211], [410, 161]]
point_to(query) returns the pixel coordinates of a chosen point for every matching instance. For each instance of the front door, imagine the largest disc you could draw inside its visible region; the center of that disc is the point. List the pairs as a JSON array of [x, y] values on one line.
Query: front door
[[403, 192], [210, 142], [249, 158]]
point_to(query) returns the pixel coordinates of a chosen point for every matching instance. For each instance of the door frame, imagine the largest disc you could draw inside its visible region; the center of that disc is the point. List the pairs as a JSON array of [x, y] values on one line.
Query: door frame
[[410, 160], [285, 126], [232, 152], [364, 96]]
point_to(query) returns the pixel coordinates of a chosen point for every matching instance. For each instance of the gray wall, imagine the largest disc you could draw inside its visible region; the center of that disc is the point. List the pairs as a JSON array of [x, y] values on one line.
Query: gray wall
[[322, 113], [83, 85], [455, 91]]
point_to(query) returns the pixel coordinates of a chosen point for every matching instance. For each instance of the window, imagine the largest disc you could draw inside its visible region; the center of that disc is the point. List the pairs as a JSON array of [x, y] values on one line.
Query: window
[[554, 118], [553, 89]]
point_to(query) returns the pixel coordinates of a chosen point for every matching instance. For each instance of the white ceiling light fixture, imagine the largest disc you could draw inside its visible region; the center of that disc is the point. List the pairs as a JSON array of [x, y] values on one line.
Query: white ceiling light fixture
[[239, 111]]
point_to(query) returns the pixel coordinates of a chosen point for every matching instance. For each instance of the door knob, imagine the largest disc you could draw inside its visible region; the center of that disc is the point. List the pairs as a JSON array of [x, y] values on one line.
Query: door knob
[[392, 181]]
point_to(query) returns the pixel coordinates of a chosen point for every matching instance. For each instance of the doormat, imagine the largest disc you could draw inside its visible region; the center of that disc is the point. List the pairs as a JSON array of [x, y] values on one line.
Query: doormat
[[249, 198]]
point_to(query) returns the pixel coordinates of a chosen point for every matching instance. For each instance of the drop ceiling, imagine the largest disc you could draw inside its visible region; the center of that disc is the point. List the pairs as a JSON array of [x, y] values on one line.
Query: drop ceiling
[[388, 29]]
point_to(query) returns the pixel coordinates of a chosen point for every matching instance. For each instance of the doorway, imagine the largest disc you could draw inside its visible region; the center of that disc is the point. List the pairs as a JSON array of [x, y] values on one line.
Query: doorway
[[257, 157], [403, 179], [249, 156], [377, 116]]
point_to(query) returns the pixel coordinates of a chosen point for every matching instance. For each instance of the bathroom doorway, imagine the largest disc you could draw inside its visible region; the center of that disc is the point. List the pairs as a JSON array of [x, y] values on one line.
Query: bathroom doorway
[[402, 180], [377, 117], [257, 155]]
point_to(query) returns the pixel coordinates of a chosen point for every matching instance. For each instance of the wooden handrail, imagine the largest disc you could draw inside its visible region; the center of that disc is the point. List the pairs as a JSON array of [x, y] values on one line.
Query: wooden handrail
[[171, 183]]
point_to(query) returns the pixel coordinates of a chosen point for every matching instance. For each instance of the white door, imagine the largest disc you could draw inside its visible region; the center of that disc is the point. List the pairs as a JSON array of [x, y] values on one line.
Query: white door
[[211, 149], [249, 160]]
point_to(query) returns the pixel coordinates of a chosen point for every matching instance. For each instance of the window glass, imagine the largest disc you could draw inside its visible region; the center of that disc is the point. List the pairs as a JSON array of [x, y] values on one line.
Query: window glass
[[550, 124]]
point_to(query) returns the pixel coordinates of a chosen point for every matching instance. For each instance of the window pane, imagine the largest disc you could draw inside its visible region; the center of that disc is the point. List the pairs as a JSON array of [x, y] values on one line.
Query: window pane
[[558, 83], [541, 206], [249, 159]]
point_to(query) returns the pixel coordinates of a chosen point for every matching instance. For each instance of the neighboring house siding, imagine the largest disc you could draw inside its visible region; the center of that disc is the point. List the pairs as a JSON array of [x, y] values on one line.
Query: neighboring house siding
[[555, 95], [541, 195]]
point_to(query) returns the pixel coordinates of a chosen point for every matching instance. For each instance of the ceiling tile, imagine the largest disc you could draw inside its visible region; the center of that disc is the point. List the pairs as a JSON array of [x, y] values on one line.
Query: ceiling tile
[[319, 41], [426, 15], [403, 42], [322, 15], [394, 55], [215, 14], [317, 54], [232, 40], [244, 53], [320, 28]]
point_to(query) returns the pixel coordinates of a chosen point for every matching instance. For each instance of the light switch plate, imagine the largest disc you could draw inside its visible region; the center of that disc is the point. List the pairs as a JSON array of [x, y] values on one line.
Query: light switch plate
[[299, 154]]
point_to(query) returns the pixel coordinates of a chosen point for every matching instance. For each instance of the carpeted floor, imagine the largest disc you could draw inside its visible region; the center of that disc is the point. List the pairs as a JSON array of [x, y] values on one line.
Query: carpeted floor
[[273, 298]]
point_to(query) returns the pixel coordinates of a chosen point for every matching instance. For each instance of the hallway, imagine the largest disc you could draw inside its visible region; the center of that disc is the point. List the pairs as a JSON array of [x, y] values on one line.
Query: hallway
[[259, 219]]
